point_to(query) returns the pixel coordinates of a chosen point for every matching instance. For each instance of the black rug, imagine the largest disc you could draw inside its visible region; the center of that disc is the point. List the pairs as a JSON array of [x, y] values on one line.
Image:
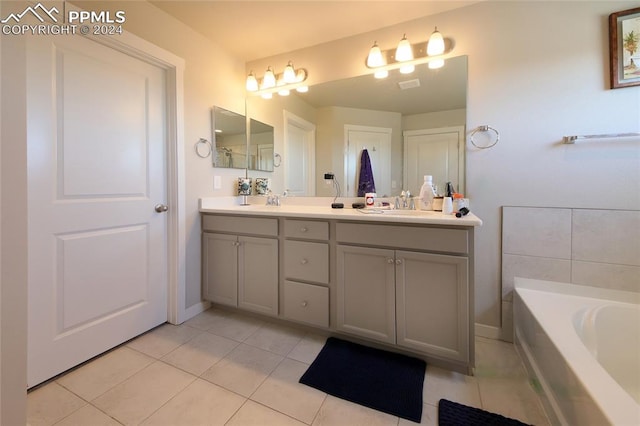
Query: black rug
[[377, 379], [454, 414]]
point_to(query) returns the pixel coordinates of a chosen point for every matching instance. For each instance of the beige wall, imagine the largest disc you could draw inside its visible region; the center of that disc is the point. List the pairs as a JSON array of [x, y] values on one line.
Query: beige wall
[[537, 71]]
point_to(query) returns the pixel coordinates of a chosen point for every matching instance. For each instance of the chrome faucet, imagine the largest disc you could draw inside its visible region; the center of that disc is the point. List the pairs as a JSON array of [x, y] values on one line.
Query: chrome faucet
[[404, 201], [273, 199]]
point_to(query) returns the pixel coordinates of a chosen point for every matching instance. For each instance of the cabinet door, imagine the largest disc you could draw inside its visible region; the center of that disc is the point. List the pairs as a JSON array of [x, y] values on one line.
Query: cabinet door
[[220, 268], [366, 292], [258, 274], [432, 304]]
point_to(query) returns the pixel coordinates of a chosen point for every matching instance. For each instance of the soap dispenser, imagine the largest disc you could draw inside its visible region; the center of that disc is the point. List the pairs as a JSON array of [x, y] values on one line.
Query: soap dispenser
[[427, 193]]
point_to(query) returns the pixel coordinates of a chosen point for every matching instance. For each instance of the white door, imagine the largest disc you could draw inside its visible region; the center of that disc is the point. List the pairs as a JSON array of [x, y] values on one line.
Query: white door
[[98, 270], [436, 152], [300, 156], [377, 141]]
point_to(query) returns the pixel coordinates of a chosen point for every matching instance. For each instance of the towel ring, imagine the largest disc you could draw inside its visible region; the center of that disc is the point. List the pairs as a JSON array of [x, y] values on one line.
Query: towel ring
[[484, 128], [199, 151]]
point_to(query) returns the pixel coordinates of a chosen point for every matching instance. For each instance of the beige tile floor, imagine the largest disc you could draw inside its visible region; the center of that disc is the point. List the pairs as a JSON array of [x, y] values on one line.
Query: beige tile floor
[[223, 368]]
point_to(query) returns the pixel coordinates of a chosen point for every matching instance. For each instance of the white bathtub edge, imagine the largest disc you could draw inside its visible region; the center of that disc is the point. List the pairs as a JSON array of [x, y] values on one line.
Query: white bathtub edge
[[559, 328], [551, 407]]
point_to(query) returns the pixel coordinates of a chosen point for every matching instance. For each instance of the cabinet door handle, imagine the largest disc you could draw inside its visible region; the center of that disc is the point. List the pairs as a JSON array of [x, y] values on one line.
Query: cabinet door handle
[[237, 244], [304, 261], [303, 229], [389, 260], [398, 261], [304, 304]]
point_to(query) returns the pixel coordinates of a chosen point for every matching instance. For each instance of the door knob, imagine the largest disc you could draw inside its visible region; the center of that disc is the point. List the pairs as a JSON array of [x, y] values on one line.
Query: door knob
[[161, 208]]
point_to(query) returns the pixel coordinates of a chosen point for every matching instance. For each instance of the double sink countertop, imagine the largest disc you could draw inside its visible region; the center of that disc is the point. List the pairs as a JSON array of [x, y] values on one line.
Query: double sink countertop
[[320, 208]]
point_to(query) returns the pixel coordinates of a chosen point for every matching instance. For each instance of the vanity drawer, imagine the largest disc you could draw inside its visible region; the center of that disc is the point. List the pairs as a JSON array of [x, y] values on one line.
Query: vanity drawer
[[306, 261], [306, 229], [306, 303], [240, 225], [405, 237]]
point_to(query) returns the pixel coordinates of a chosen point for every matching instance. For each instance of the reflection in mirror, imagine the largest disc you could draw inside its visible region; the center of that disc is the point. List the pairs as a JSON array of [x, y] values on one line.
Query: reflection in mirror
[[260, 146], [229, 139], [410, 124]]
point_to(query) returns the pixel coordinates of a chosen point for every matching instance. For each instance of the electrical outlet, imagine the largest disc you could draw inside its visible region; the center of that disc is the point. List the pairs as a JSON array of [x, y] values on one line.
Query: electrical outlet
[[217, 182]]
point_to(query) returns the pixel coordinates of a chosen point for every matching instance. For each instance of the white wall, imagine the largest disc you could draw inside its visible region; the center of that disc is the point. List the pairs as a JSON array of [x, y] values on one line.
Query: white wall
[[537, 71]]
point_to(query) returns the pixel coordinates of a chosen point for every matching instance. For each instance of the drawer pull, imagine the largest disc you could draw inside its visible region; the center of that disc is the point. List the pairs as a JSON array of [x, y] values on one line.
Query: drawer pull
[[304, 304], [303, 229], [304, 261]]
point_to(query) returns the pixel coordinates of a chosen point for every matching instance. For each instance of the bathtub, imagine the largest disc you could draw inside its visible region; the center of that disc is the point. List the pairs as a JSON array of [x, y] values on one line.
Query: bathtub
[[581, 347]]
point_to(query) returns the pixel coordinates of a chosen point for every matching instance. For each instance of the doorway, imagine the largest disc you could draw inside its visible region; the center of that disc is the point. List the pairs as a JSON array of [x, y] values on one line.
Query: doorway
[[102, 144]]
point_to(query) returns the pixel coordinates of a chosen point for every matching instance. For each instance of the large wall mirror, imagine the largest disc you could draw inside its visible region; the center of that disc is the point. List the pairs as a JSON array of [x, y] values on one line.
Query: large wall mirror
[[410, 125]]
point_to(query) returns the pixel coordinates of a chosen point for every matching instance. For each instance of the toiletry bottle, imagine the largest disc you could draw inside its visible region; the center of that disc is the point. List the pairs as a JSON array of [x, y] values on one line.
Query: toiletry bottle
[[427, 193]]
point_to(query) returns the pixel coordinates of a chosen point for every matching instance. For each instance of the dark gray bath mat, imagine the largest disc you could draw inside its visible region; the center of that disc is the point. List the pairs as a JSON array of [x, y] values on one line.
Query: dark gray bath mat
[[385, 381], [453, 414]]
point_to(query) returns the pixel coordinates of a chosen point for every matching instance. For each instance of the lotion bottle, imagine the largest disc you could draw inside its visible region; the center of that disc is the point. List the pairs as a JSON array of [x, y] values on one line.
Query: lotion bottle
[[427, 193]]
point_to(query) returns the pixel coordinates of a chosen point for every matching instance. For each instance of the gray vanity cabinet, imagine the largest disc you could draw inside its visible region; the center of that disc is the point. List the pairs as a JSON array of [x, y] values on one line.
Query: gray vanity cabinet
[[432, 304], [366, 292], [403, 285], [306, 272], [414, 298], [240, 270]]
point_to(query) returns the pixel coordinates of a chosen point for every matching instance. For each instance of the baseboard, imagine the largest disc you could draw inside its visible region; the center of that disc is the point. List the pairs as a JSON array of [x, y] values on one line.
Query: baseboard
[[488, 331], [194, 310]]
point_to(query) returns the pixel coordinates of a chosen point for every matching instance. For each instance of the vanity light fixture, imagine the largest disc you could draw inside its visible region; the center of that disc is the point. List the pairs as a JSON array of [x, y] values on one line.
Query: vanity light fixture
[[375, 60], [435, 47], [406, 56], [282, 84]]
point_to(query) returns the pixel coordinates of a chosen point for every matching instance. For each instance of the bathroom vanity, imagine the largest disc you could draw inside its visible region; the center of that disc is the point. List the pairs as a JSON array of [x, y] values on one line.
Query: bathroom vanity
[[396, 279]]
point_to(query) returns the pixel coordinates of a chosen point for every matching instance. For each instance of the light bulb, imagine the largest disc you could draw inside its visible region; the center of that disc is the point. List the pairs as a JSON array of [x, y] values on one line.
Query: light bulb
[[381, 74], [435, 46], [289, 74], [284, 92], [267, 95], [269, 79], [404, 51], [252, 82], [302, 89], [375, 56], [436, 63], [407, 69]]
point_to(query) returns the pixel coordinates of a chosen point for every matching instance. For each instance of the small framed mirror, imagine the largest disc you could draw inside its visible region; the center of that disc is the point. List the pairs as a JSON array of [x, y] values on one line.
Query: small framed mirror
[[229, 139]]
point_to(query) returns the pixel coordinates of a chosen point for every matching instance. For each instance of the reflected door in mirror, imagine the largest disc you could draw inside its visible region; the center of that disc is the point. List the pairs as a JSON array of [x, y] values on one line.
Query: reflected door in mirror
[[435, 152], [377, 141]]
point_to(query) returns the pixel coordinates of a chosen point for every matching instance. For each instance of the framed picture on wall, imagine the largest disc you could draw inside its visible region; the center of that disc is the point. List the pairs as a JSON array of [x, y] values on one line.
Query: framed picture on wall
[[624, 48]]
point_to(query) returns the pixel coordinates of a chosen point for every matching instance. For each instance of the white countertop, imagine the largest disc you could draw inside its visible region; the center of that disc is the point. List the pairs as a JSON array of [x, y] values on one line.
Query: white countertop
[[324, 211]]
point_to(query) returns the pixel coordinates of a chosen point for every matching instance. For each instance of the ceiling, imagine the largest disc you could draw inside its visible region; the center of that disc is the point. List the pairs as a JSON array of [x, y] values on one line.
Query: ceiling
[[255, 29]]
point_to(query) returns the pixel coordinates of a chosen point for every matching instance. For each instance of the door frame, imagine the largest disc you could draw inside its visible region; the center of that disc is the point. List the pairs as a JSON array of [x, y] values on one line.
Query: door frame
[[175, 167]]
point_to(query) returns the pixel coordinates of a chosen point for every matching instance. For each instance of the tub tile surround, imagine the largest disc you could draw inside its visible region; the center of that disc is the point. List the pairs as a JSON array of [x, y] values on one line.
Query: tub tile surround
[[591, 247], [251, 385]]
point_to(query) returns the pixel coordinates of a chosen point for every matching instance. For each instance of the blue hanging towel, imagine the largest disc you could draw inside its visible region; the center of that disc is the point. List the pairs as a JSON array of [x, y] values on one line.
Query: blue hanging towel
[[365, 182]]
